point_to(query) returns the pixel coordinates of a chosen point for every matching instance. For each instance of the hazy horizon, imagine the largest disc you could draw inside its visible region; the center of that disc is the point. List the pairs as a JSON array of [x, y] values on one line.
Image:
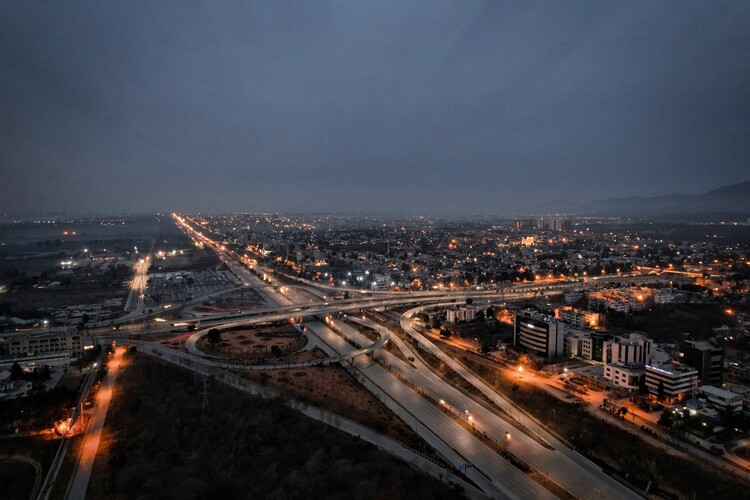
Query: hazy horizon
[[434, 108]]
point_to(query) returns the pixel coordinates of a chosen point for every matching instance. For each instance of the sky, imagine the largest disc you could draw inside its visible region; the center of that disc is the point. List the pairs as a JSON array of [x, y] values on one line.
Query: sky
[[397, 107]]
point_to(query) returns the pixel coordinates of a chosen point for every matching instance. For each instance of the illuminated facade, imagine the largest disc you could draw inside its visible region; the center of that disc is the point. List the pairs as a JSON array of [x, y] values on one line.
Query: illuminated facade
[[673, 383]]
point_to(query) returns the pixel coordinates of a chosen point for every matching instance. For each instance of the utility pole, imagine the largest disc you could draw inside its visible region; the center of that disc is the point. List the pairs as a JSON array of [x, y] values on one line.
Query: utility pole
[[204, 405]]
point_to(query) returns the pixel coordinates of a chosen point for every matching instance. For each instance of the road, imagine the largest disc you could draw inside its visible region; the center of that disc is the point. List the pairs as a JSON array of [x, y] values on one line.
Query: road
[[566, 467], [135, 302], [493, 474], [79, 483]]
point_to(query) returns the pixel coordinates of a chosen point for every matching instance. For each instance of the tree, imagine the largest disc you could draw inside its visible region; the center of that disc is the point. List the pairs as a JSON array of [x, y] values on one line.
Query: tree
[[469, 301], [490, 313], [16, 372], [214, 336], [666, 419], [642, 387]]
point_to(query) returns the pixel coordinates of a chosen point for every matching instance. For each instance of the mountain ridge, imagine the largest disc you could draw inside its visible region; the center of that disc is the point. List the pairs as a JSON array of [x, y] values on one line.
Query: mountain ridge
[[729, 199]]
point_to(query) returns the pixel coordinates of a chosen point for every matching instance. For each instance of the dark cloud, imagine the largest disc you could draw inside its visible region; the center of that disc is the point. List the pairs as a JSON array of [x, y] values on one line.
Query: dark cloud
[[407, 107]]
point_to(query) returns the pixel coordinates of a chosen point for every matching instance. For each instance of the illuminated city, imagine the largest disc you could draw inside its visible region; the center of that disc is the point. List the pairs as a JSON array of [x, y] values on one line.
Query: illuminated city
[[375, 250]]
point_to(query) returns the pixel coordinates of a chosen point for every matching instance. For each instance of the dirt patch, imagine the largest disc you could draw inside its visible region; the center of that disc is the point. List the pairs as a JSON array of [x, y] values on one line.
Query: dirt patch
[[269, 342], [334, 389]]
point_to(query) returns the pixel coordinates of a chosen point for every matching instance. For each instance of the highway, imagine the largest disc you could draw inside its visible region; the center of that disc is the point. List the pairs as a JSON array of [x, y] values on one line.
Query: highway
[[522, 436], [134, 302], [493, 474], [571, 470]]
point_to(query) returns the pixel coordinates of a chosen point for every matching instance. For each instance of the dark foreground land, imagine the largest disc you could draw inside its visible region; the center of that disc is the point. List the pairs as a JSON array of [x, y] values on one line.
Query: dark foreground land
[[159, 442]]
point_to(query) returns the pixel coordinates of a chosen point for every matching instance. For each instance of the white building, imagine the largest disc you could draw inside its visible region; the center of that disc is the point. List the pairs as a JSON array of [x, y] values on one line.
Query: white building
[[461, 313], [634, 348], [669, 296], [625, 376], [722, 399]]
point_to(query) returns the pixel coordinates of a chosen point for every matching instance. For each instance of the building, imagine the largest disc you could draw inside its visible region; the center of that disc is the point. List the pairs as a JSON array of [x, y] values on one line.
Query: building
[[624, 300], [634, 348], [461, 313], [626, 376], [577, 317], [380, 281], [669, 296], [34, 343], [705, 357], [573, 296], [586, 344], [11, 389], [670, 382], [539, 333], [721, 399], [557, 224]]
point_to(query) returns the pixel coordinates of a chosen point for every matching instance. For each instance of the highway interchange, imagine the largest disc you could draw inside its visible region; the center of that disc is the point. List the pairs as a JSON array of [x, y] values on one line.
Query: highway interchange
[[410, 389]]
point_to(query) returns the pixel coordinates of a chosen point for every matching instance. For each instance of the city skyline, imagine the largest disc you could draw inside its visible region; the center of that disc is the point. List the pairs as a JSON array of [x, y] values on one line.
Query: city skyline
[[436, 109]]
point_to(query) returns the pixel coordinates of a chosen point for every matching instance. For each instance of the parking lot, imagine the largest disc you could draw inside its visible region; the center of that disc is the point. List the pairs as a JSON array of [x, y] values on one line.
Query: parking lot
[[165, 288]]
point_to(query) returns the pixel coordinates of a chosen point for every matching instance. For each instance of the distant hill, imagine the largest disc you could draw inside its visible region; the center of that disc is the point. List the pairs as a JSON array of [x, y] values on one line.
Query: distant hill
[[733, 199]]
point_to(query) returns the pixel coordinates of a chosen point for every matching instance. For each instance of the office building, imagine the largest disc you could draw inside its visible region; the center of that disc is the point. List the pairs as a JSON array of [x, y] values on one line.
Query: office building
[[670, 382], [539, 333], [705, 357]]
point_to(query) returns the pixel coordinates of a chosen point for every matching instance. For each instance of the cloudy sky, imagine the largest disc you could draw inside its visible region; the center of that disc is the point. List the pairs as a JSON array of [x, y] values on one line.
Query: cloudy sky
[[369, 106]]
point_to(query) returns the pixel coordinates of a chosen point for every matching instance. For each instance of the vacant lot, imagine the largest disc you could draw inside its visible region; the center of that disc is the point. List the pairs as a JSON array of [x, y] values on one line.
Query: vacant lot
[[334, 389], [163, 445], [666, 323]]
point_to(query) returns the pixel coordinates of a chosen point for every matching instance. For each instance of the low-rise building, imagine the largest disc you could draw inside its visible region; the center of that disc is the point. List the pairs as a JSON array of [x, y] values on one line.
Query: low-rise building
[[624, 300], [669, 296], [586, 344], [721, 399], [43, 342], [671, 382], [11, 389], [626, 376], [627, 349], [461, 313], [578, 318]]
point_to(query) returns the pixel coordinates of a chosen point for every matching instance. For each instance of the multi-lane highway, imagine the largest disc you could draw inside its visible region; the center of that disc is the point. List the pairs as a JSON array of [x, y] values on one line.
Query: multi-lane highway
[[399, 384]]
